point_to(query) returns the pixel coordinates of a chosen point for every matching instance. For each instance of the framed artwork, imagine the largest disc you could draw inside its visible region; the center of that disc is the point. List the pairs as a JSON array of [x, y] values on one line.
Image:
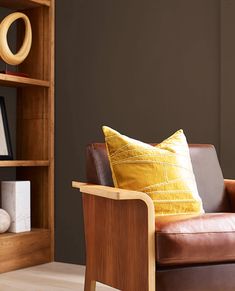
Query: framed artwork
[[5, 142]]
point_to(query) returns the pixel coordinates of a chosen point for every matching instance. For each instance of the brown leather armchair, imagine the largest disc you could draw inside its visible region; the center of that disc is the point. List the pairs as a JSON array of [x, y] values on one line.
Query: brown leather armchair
[[128, 250]]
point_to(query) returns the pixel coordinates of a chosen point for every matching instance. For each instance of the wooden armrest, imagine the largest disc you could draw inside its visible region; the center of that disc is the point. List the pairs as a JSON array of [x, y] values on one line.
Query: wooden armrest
[[113, 193], [125, 219], [230, 189]]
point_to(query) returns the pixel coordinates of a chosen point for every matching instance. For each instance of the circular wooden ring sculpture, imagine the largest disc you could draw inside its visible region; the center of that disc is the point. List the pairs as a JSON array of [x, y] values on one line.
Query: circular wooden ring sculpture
[[5, 52]]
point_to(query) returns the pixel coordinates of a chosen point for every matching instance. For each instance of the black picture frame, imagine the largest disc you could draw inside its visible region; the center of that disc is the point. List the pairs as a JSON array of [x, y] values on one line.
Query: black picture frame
[[5, 140]]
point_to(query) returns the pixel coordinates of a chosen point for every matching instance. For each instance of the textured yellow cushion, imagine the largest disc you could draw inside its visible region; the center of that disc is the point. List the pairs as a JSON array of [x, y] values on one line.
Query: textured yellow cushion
[[163, 171]]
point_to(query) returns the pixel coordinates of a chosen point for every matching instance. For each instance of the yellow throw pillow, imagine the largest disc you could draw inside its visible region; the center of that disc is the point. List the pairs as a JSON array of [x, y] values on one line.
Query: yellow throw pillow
[[163, 171]]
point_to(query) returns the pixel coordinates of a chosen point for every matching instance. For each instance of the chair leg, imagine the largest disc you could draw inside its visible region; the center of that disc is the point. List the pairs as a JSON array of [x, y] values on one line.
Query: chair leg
[[90, 285]]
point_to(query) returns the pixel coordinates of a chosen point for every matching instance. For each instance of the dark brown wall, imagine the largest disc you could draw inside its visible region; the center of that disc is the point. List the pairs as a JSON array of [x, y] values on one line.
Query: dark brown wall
[[144, 67], [227, 88]]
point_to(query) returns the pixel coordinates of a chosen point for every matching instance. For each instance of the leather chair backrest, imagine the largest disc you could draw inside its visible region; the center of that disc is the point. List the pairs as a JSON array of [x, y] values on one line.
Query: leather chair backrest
[[206, 168]]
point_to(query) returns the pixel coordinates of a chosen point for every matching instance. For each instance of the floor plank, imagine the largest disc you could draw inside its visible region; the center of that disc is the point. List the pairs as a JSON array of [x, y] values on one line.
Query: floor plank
[[47, 277]]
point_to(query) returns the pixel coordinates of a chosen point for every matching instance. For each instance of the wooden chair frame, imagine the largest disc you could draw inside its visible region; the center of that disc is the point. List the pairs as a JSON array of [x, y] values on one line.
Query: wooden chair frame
[[120, 238]]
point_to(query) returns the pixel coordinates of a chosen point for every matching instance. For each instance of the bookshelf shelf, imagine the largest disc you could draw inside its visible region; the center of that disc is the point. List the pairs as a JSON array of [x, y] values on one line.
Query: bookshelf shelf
[[24, 163], [15, 81], [35, 242]]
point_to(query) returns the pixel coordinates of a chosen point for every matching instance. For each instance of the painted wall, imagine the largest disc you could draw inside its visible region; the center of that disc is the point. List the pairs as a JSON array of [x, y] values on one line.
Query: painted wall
[[146, 68]]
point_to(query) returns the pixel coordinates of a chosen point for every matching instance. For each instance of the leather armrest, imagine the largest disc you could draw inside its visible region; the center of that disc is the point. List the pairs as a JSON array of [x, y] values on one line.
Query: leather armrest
[[230, 189]]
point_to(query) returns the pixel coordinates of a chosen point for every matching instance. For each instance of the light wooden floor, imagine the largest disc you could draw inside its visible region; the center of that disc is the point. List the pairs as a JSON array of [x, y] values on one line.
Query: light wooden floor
[[47, 277]]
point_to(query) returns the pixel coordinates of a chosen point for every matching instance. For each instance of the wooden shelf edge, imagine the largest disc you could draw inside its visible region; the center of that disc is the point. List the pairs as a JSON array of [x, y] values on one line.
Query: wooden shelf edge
[[25, 249], [33, 231], [24, 163], [41, 2], [17, 81], [24, 4]]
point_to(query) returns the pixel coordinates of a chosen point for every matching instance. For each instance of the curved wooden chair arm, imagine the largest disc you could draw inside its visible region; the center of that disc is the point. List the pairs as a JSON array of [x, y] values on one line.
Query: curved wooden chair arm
[[112, 194]]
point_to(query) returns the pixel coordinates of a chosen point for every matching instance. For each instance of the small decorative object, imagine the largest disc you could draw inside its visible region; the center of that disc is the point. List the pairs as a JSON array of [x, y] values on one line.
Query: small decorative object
[[5, 221], [5, 142], [5, 53], [16, 201]]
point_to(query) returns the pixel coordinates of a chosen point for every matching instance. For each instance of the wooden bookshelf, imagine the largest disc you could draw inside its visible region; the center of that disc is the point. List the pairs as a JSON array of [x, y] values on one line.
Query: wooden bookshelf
[[34, 159]]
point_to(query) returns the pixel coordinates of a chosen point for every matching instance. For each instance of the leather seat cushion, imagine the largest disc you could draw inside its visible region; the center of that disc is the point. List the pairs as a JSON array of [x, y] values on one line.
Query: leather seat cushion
[[188, 239]]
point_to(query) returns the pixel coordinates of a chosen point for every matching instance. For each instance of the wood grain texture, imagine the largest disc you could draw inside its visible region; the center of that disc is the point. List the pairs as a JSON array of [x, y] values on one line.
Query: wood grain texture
[[16, 81], [24, 4], [89, 284], [120, 237], [32, 146], [35, 65], [24, 249], [51, 123], [33, 102], [112, 193], [24, 163]]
